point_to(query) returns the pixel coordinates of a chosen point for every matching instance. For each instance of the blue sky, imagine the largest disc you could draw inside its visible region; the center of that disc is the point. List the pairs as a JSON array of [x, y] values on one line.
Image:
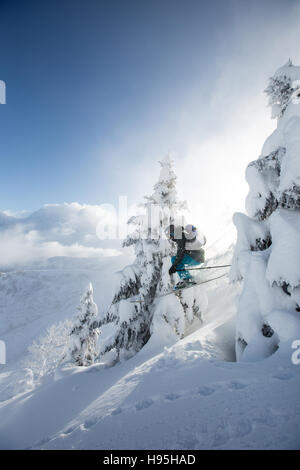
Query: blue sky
[[98, 91]]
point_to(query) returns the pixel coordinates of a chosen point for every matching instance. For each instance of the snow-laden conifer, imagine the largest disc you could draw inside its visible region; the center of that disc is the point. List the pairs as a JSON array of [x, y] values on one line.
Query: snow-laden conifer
[[148, 278], [83, 338], [267, 254]]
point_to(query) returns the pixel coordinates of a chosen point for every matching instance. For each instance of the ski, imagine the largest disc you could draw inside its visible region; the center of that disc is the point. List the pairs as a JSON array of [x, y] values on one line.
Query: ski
[[180, 289]]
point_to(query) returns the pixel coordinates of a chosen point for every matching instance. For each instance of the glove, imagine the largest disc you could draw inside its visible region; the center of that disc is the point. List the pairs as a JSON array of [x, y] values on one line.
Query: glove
[[172, 269]]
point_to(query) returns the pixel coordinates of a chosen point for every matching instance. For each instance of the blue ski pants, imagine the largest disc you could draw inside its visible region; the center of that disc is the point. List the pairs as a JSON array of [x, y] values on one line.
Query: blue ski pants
[[186, 261]]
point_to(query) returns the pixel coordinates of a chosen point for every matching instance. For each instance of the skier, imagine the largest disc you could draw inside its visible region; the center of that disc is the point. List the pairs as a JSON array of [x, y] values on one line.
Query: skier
[[189, 252]]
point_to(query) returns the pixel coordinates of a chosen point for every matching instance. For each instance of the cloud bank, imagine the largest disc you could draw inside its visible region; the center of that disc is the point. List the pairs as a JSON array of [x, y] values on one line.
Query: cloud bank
[[67, 230]]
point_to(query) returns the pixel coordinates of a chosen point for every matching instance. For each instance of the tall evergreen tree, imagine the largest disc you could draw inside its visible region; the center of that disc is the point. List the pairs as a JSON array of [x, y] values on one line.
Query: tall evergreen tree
[[148, 277], [83, 338]]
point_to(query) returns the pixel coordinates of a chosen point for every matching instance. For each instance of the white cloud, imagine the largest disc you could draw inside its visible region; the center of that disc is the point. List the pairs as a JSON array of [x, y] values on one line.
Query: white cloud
[[18, 247], [55, 230], [17, 214]]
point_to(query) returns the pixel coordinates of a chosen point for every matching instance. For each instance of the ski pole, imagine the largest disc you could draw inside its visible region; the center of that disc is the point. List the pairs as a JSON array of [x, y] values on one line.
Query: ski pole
[[207, 267]]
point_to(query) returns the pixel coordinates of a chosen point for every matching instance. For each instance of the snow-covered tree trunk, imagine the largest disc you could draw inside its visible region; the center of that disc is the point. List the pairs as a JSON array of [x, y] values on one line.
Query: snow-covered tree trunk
[[267, 253], [164, 318]]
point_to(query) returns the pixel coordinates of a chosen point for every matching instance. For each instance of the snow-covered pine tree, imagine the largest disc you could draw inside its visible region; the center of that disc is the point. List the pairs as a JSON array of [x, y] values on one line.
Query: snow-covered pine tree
[[83, 337], [267, 253], [279, 90], [148, 278]]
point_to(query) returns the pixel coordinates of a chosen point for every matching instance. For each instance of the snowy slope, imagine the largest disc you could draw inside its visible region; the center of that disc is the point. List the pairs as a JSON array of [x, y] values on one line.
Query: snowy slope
[[186, 396], [47, 259], [32, 299]]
